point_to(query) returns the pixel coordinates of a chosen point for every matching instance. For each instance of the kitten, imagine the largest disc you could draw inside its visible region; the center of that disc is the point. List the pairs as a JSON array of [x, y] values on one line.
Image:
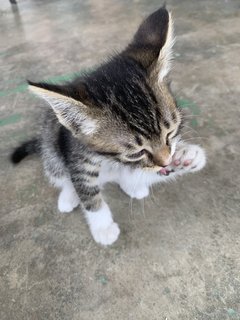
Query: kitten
[[119, 123]]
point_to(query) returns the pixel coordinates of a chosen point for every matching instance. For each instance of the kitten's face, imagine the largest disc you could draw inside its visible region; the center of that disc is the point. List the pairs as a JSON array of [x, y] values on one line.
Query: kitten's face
[[145, 138], [124, 110]]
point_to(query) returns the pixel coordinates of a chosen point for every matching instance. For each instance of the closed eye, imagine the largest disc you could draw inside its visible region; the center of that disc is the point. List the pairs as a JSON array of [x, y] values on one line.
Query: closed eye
[[167, 138], [169, 133], [137, 156], [176, 134]]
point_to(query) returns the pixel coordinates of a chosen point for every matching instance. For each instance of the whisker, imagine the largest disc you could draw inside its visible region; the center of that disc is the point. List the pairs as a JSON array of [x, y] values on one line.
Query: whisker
[[143, 207], [131, 201], [186, 132], [133, 189], [186, 126], [204, 138], [184, 116], [153, 198]]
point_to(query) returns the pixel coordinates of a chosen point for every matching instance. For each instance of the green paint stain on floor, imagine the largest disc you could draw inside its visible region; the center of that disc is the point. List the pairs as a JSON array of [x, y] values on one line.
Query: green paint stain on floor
[[23, 87], [65, 77], [102, 279], [2, 54], [20, 88], [10, 119], [187, 104], [182, 103], [231, 312]]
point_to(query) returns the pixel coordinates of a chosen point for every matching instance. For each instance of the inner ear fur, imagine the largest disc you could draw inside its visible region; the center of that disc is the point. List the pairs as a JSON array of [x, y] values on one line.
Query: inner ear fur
[[152, 43], [72, 113]]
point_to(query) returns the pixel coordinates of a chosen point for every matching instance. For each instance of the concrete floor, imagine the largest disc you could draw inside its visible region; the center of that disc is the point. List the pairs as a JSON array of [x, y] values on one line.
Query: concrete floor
[[178, 254]]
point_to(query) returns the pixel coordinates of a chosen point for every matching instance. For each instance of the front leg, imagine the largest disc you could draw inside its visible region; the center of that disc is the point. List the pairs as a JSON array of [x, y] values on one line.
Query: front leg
[[98, 215], [103, 229], [187, 158]]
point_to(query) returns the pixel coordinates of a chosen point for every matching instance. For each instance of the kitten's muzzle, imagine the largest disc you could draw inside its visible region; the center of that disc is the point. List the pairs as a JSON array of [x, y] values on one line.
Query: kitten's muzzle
[[161, 156]]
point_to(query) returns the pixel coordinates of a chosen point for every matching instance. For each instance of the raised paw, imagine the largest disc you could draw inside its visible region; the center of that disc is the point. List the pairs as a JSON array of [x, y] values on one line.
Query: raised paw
[[106, 236], [188, 157], [67, 201]]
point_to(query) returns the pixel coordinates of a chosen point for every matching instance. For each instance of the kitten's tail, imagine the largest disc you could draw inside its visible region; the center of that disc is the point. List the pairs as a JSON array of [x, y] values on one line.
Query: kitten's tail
[[25, 149]]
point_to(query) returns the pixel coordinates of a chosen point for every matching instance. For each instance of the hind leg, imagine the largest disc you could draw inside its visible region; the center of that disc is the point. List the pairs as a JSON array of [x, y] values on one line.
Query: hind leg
[[68, 198], [58, 175]]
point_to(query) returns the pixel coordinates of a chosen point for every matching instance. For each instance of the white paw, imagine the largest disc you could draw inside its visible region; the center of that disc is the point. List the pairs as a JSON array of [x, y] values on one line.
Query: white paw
[[104, 230], [67, 201], [139, 193], [189, 157], [106, 236]]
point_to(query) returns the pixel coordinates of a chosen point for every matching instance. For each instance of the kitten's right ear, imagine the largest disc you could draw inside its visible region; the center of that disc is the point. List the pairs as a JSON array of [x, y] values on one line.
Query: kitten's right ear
[[66, 103], [153, 42]]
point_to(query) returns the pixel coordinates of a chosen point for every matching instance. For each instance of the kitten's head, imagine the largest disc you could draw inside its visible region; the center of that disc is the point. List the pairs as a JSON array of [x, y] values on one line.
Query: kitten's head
[[124, 110]]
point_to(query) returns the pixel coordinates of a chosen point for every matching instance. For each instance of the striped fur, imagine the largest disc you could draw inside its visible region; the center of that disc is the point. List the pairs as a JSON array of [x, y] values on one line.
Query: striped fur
[[120, 120]]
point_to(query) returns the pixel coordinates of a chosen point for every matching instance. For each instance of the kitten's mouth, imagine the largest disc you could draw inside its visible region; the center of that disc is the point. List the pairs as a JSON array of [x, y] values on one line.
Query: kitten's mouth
[[164, 172]]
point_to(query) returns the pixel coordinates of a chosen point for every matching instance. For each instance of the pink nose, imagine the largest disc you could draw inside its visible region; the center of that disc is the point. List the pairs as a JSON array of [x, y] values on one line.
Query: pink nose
[[162, 157], [166, 163]]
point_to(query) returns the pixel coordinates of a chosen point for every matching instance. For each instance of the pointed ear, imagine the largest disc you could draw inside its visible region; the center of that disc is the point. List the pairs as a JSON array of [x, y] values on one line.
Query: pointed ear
[[165, 57], [71, 113], [153, 41]]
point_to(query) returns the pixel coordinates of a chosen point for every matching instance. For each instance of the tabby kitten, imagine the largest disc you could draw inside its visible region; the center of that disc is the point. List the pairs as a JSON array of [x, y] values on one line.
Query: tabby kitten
[[119, 124]]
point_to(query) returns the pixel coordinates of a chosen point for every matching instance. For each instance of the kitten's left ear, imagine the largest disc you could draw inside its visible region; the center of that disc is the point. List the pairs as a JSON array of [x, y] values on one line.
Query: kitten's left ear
[[152, 43], [68, 104]]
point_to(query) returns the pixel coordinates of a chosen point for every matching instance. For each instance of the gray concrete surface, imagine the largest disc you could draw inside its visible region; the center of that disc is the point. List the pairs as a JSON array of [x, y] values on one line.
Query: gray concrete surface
[[178, 254]]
